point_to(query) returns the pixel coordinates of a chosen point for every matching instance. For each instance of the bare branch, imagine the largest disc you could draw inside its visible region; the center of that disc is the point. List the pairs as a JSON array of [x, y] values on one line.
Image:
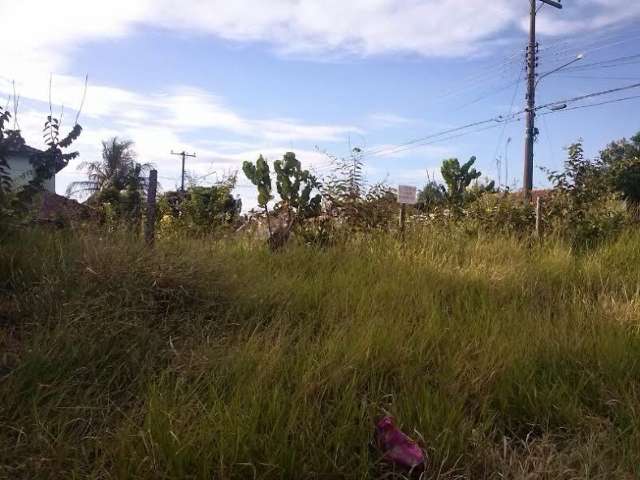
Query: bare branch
[[84, 96]]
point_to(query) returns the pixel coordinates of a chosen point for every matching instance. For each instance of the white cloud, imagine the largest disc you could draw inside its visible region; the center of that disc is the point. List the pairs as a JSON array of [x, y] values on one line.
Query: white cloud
[[43, 34], [42, 37], [586, 15]]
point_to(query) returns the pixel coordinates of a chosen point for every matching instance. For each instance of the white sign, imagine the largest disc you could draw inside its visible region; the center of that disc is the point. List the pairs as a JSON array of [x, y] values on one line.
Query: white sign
[[407, 195]]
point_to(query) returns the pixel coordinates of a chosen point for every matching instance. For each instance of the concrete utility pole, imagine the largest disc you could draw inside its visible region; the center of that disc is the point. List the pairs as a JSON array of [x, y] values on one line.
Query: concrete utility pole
[[184, 155], [532, 63], [506, 163]]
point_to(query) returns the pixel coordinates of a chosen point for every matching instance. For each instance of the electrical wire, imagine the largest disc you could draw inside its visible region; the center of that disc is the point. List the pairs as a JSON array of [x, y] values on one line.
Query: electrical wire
[[443, 139], [590, 95], [428, 137], [591, 105], [504, 129], [590, 77], [440, 136]]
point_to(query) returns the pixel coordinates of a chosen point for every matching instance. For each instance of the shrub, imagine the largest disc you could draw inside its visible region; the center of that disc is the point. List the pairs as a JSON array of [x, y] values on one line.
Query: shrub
[[500, 213]]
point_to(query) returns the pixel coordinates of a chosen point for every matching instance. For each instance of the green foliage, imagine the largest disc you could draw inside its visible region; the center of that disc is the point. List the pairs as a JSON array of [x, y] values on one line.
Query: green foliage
[[116, 179], [5, 178], [295, 187], [200, 210], [53, 159], [346, 182], [431, 196], [352, 204], [458, 177], [582, 206], [622, 159], [259, 174], [503, 213]]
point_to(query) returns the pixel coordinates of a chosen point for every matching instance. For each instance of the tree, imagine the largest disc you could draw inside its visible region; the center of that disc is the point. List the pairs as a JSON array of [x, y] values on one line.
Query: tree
[[295, 188], [5, 178], [458, 177], [260, 175], [344, 188], [117, 178], [622, 160], [580, 204], [432, 195], [52, 160]]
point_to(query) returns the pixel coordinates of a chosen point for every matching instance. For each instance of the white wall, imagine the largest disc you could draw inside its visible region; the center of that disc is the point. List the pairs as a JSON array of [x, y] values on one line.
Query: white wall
[[21, 173]]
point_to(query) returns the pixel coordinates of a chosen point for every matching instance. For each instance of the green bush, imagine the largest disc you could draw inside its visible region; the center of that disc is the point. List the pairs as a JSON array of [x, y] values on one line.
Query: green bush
[[504, 213]]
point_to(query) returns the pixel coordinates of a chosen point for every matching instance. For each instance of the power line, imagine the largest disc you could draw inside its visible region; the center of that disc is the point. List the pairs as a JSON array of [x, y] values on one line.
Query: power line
[[510, 118], [443, 139], [490, 93], [589, 47], [504, 129], [590, 95], [591, 77], [428, 137], [591, 105]]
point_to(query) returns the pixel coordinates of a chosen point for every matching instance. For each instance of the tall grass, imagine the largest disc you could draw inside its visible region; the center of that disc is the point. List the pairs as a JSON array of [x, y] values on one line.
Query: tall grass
[[218, 359]]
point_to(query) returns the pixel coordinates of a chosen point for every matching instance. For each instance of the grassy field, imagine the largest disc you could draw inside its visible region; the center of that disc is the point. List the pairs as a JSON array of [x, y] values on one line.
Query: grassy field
[[208, 359]]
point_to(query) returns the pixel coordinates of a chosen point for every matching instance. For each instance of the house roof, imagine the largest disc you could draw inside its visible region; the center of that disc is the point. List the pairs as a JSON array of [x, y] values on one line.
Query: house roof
[[17, 146]]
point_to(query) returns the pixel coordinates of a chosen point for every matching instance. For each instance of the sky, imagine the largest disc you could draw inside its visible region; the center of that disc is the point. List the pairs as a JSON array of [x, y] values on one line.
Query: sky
[[233, 80]]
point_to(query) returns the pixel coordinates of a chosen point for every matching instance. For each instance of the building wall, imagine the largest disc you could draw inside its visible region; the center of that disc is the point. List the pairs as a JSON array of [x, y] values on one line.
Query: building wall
[[21, 173]]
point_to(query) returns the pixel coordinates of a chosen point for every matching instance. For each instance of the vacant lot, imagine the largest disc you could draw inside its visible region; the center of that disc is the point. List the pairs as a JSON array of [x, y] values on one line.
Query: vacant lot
[[217, 359]]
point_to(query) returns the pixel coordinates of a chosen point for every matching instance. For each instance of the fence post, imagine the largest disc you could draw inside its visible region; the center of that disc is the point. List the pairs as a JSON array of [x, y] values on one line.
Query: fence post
[[539, 217], [403, 216], [150, 224]]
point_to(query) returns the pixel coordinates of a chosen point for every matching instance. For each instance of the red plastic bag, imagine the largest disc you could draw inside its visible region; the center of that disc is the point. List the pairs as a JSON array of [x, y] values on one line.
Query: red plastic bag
[[397, 448]]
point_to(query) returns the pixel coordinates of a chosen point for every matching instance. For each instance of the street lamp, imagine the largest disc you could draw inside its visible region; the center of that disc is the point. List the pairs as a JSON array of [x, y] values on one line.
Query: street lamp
[[579, 57]]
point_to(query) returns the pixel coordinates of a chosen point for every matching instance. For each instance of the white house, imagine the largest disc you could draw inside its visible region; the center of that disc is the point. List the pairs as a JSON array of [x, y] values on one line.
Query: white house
[[18, 158]]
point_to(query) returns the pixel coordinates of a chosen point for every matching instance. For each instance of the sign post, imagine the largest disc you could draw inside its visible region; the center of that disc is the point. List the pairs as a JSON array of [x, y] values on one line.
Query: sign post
[[407, 195]]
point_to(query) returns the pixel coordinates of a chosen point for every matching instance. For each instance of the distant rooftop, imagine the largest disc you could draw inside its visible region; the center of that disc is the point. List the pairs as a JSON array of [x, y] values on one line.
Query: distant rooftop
[[17, 146]]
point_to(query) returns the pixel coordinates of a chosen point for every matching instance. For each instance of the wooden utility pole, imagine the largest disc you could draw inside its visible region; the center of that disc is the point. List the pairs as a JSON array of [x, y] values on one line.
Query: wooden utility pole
[[403, 219], [539, 217], [184, 155], [532, 63], [150, 224]]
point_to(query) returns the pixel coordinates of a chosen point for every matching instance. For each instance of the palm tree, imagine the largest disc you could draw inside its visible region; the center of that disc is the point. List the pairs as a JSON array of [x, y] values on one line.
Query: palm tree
[[114, 174]]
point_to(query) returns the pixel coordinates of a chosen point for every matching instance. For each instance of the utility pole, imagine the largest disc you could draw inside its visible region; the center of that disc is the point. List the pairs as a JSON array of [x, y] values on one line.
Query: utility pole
[[184, 155], [532, 63], [150, 224], [506, 163]]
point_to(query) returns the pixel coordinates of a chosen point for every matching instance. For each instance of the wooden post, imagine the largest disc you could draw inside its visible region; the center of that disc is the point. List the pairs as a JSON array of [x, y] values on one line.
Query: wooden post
[[539, 217], [403, 215], [150, 224]]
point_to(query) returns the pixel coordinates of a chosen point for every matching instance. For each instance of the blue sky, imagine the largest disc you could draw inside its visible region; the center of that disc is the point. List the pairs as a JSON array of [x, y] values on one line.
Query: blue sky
[[231, 80]]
